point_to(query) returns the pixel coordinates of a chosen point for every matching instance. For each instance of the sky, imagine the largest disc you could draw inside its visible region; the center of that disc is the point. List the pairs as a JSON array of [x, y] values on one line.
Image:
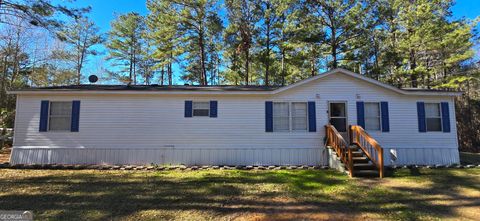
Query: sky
[[104, 11]]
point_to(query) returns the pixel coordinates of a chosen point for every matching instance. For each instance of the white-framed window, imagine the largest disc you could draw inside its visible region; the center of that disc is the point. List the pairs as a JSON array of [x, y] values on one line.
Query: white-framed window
[[201, 108], [60, 116], [433, 116], [372, 116], [290, 116]]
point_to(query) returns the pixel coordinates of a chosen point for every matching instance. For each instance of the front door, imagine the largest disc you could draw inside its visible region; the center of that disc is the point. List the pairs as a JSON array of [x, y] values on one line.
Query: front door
[[337, 116]]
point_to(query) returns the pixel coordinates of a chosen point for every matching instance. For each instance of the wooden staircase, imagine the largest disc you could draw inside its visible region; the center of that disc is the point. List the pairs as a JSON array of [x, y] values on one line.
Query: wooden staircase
[[363, 157], [362, 165]]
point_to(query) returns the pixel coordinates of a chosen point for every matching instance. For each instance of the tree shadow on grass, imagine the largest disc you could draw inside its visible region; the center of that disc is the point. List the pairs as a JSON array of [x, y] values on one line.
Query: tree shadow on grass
[[431, 192], [109, 195]]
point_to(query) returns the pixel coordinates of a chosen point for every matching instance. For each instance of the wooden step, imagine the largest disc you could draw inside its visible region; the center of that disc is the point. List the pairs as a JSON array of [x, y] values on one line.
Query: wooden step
[[354, 147], [364, 166], [360, 160], [358, 154], [366, 173]]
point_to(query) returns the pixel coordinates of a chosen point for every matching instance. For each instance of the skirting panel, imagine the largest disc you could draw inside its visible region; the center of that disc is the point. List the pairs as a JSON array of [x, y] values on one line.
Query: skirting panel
[[421, 156], [214, 156]]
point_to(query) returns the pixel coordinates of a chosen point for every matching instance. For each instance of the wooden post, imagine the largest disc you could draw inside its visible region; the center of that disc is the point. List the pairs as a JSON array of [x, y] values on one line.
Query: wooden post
[[350, 129], [357, 135], [350, 161]]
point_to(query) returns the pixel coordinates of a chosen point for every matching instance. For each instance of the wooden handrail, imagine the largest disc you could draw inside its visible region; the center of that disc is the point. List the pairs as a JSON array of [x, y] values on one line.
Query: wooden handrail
[[340, 146], [370, 146]]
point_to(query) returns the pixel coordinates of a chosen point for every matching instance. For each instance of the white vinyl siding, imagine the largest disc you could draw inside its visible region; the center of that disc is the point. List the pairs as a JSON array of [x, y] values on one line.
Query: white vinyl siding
[[372, 116], [60, 116], [201, 109], [433, 117]]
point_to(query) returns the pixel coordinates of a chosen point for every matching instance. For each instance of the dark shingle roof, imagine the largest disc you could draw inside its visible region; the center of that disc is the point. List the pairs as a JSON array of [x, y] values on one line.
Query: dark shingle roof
[[154, 87], [93, 87]]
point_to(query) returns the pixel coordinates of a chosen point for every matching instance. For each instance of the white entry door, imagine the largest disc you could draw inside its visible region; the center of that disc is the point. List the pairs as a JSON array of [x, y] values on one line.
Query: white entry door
[[337, 116]]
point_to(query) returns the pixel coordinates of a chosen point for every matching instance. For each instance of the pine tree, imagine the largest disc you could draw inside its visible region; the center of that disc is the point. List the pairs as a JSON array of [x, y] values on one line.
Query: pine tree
[[268, 36], [124, 45], [82, 35], [341, 21], [162, 22], [242, 17], [197, 19], [42, 13]]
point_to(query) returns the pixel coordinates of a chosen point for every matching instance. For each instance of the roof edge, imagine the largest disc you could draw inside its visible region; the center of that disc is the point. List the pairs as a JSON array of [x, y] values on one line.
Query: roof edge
[[252, 92], [370, 80]]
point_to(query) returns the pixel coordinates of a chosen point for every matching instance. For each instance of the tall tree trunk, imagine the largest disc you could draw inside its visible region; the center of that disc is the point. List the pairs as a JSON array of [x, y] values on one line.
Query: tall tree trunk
[[283, 67], [4, 80], [134, 67], [80, 65], [247, 64], [131, 70], [312, 61], [78, 76], [267, 56], [333, 45], [413, 66], [169, 69], [16, 62], [203, 72], [162, 74], [376, 63]]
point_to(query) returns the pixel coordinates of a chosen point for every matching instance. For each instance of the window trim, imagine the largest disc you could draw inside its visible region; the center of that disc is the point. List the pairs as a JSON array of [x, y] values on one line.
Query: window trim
[[380, 129], [290, 117], [200, 101], [439, 104], [50, 116]]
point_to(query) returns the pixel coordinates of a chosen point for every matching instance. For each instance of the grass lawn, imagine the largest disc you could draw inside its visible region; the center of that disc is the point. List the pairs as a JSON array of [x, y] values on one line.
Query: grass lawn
[[424, 194]]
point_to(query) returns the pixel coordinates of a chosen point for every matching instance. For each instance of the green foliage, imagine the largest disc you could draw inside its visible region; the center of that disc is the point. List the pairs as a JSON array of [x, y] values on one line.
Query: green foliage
[[42, 13], [125, 45], [163, 33]]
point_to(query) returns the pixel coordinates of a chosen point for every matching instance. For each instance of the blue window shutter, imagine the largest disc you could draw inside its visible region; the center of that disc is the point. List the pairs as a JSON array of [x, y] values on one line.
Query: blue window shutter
[[43, 116], [312, 118], [361, 114], [268, 116], [422, 127], [445, 117], [75, 116], [213, 108], [188, 108], [385, 117]]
